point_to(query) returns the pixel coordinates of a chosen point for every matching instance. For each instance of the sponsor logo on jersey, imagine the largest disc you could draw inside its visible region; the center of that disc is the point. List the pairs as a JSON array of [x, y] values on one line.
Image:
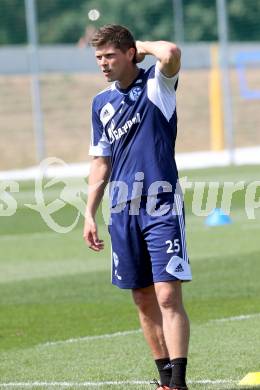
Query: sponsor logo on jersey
[[135, 93], [115, 134], [106, 113]]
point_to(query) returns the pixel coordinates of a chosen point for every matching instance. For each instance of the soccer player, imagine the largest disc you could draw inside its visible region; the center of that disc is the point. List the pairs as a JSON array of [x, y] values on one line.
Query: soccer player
[[134, 125]]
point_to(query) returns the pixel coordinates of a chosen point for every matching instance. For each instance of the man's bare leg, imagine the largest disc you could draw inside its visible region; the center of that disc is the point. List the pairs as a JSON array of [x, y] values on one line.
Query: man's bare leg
[[176, 327], [165, 325], [151, 320]]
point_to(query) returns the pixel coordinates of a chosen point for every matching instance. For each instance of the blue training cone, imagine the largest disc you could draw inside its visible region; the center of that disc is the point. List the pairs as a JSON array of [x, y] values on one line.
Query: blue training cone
[[217, 218]]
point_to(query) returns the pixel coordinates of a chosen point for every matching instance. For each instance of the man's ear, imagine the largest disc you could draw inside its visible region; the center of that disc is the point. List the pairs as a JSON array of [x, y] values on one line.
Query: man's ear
[[131, 53]]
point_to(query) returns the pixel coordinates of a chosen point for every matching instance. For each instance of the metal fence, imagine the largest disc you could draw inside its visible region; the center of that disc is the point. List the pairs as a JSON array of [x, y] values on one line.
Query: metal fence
[[46, 90]]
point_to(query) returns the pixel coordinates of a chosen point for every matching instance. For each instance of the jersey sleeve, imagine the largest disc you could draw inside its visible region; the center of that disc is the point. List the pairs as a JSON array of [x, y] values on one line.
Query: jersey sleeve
[[99, 144], [161, 91]]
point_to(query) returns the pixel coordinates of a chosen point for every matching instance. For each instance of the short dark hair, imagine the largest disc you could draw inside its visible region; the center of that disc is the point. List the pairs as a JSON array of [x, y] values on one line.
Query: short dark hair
[[117, 35]]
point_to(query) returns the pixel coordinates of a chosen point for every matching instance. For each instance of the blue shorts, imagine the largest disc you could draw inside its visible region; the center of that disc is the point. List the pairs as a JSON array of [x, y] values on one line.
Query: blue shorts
[[148, 242]]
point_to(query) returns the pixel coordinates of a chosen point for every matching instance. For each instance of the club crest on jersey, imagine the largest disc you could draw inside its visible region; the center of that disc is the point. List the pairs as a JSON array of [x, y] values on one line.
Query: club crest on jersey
[[135, 93], [106, 113]]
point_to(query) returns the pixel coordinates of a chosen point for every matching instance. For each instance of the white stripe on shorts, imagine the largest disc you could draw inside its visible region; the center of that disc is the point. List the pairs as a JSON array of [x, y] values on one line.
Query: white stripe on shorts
[[179, 207]]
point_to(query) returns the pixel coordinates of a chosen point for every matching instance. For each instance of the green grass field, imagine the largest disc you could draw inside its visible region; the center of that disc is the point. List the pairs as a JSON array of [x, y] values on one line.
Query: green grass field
[[56, 298]]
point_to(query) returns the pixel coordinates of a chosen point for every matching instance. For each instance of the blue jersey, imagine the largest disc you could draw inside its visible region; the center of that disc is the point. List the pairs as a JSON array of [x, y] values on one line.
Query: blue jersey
[[137, 127]]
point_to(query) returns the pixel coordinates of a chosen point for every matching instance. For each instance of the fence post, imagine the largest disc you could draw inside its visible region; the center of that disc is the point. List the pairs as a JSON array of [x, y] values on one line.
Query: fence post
[[30, 8], [224, 63], [178, 20]]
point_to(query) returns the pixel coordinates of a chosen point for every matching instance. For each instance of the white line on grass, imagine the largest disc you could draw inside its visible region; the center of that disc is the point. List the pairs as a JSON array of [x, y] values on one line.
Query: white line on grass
[[136, 331], [107, 383], [90, 338], [212, 382], [71, 384], [236, 318]]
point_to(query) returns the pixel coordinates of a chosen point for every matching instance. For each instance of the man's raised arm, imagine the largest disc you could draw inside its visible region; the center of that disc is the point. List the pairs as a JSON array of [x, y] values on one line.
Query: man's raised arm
[[167, 53]]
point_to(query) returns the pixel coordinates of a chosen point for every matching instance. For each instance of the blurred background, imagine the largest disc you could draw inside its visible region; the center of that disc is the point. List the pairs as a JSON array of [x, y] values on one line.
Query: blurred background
[[55, 293], [48, 74]]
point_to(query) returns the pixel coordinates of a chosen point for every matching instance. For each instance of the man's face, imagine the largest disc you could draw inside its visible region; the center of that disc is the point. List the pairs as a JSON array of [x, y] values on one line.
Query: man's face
[[113, 62]]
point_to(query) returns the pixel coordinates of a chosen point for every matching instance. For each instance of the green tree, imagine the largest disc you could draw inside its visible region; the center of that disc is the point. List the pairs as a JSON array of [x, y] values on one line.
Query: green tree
[[12, 22], [64, 21], [200, 20], [147, 20], [60, 21], [243, 18]]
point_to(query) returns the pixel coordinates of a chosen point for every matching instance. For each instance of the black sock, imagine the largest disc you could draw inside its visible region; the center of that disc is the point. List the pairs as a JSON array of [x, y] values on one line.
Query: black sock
[[178, 372], [165, 370]]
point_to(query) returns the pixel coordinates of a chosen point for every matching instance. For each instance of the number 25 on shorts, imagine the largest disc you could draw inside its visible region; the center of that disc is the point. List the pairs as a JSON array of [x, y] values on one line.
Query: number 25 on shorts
[[173, 246]]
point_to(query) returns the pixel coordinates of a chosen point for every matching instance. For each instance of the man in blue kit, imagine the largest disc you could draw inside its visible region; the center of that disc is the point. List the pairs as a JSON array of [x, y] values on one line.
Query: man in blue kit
[[134, 127]]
